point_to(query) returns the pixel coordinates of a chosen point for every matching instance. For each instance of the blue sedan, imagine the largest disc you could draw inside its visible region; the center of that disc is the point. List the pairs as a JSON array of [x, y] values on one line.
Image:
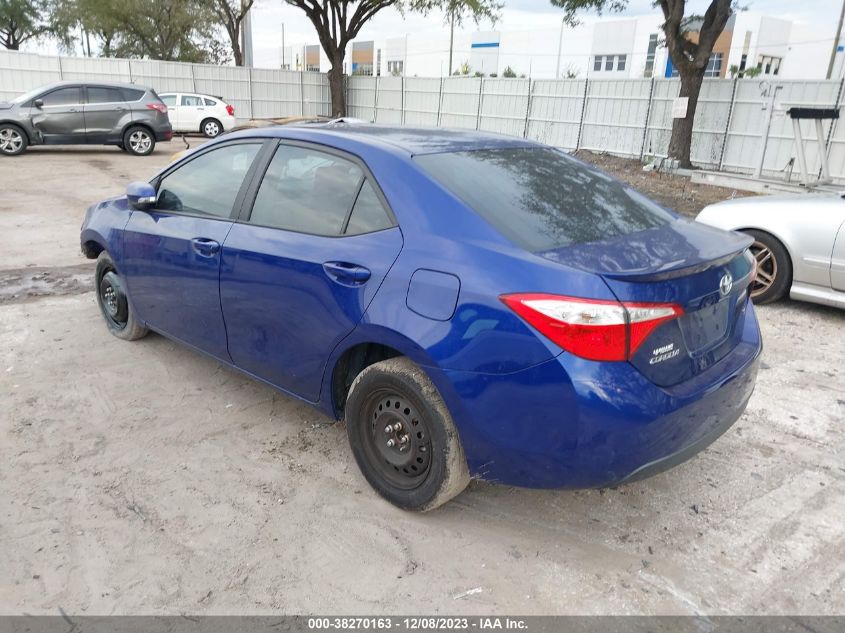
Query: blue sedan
[[471, 305]]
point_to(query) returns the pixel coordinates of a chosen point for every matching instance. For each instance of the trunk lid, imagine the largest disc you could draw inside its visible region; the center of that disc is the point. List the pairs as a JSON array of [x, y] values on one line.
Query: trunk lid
[[702, 269]]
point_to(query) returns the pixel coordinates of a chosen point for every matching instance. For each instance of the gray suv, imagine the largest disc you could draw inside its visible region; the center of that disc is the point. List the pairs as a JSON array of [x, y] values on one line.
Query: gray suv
[[97, 113]]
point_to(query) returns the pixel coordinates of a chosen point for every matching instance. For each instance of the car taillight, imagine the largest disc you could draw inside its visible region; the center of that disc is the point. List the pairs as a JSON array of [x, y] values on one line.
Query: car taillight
[[230, 109], [158, 106], [592, 328]]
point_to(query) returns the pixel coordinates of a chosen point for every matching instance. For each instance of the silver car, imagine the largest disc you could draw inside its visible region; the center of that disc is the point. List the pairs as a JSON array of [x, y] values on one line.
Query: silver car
[[91, 113], [799, 243]]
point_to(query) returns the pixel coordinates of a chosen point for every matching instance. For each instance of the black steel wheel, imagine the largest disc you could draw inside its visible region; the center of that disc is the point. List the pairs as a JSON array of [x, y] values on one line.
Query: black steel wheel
[[403, 437], [398, 442], [113, 302], [774, 268]]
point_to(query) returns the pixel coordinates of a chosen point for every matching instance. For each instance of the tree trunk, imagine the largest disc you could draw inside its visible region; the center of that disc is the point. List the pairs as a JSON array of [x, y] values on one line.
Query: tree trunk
[[681, 140], [336, 87]]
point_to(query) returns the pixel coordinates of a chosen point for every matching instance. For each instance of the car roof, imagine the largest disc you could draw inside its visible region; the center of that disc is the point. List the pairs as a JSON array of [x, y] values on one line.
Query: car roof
[[106, 84], [411, 140]]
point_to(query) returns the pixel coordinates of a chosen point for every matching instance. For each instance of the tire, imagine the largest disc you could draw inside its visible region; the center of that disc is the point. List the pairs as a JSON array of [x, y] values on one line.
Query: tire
[[391, 400], [114, 305], [774, 268], [211, 128], [139, 141], [13, 140]]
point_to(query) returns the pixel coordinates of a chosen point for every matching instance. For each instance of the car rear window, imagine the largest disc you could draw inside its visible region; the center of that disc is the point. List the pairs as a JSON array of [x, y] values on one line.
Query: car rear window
[[540, 198]]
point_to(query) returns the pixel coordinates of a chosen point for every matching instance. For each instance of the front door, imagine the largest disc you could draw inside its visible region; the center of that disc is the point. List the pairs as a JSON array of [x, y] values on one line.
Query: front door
[[106, 114], [59, 118], [172, 252], [298, 275]]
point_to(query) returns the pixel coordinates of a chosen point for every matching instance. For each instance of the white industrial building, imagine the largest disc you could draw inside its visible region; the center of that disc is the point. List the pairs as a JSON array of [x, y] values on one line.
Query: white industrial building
[[624, 48]]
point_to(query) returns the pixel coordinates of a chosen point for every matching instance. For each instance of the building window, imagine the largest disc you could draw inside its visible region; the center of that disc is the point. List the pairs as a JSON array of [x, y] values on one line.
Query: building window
[[743, 62], [378, 63], [714, 66], [621, 60], [362, 69], [649, 58], [597, 63], [769, 65], [396, 68], [608, 62]]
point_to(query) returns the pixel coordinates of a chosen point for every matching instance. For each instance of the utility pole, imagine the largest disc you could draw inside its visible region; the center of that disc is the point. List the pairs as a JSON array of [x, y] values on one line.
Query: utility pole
[[283, 45], [836, 41], [451, 36], [559, 48]]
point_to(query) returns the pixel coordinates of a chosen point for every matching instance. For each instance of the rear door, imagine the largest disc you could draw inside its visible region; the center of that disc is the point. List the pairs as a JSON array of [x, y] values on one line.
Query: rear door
[[298, 273], [172, 252], [60, 118], [171, 101], [106, 113]]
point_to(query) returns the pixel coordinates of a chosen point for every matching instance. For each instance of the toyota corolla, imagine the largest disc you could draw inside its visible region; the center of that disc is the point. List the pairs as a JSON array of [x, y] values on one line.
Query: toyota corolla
[[471, 305]]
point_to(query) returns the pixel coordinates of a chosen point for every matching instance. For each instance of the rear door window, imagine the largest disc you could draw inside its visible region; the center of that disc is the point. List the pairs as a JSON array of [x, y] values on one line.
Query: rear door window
[[98, 94], [368, 214], [307, 191], [209, 183], [132, 94], [191, 100], [540, 198]]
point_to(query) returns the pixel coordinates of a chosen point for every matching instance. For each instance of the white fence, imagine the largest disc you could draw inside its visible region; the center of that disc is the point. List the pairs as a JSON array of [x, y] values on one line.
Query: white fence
[[254, 92], [629, 117]]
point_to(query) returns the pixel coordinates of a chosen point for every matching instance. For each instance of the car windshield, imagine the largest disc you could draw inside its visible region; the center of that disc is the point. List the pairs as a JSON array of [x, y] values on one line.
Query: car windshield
[[28, 95], [540, 198]]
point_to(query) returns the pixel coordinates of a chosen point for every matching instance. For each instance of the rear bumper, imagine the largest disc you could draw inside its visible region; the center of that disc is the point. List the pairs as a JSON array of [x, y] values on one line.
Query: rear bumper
[[164, 133], [572, 423]]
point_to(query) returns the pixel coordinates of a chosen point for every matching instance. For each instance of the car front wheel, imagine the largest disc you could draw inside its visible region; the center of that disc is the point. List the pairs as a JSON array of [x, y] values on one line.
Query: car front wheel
[[12, 140], [774, 268], [114, 305], [139, 141], [403, 437]]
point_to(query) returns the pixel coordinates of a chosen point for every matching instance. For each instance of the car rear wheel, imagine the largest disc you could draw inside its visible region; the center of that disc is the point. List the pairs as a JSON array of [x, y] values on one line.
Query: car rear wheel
[[774, 268], [403, 437], [111, 297], [139, 141], [12, 140], [211, 128]]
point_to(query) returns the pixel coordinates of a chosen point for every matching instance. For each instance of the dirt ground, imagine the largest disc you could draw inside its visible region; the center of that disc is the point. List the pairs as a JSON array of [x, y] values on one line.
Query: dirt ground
[[145, 478], [672, 191]]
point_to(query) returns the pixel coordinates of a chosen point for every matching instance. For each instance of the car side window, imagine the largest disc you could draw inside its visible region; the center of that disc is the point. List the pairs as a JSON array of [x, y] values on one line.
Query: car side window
[[209, 183], [64, 96], [191, 100], [169, 100], [306, 190], [210, 102], [368, 214], [97, 94], [131, 94]]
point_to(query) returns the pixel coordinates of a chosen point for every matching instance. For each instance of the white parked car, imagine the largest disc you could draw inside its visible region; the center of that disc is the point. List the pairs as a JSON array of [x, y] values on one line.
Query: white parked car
[[799, 243], [191, 112]]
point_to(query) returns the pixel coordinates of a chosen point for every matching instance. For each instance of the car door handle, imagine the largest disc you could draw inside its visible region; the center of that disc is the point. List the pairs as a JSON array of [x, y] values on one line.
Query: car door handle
[[346, 273], [205, 247], [73, 109]]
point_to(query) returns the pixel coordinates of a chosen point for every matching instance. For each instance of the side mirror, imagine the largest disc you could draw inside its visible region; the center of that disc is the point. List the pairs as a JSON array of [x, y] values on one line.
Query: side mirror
[[38, 103], [140, 195]]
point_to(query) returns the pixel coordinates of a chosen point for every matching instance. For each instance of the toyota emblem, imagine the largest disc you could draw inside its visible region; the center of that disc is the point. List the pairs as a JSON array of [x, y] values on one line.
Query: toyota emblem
[[725, 284]]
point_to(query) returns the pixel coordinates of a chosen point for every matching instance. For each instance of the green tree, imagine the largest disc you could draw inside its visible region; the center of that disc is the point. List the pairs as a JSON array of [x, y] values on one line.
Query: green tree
[[509, 72], [338, 22], [21, 21], [689, 52]]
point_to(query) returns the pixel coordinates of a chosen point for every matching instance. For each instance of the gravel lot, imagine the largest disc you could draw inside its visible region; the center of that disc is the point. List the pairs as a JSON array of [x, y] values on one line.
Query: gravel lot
[[145, 478]]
